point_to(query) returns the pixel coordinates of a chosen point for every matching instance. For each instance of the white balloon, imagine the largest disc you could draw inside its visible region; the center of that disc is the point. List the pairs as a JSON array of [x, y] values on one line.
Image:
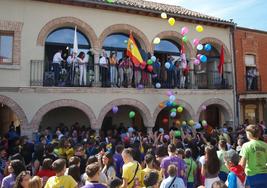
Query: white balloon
[[158, 85], [200, 47], [172, 98]]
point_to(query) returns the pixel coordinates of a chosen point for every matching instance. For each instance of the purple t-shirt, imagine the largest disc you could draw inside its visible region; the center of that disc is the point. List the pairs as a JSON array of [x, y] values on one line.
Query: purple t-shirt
[[118, 163], [179, 163], [8, 181], [94, 185]]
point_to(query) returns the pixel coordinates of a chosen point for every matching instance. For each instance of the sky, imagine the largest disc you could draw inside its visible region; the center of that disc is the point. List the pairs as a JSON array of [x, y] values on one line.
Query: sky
[[246, 13]]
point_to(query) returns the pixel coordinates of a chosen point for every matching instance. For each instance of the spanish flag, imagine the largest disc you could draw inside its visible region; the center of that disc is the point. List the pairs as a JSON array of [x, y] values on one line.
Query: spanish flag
[[133, 51]]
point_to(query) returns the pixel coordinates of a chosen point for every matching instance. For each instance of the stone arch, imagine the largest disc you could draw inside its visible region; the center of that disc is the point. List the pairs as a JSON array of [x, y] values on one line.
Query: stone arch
[[142, 109], [175, 36], [225, 107], [37, 118], [217, 44], [183, 103], [17, 110], [126, 28], [67, 21]]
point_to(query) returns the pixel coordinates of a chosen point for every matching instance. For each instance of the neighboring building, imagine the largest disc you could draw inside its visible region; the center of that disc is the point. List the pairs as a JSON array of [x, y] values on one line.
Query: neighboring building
[[32, 31], [251, 69]]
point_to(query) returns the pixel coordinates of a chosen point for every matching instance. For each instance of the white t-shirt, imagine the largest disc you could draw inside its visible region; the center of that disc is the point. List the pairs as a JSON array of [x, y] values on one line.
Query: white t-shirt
[[178, 183], [103, 61], [57, 58]]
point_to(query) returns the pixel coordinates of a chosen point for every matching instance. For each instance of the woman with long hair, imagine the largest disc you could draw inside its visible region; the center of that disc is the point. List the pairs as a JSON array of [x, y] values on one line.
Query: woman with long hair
[[108, 169], [113, 62], [211, 167], [15, 167], [221, 155], [35, 182], [82, 67], [22, 180]]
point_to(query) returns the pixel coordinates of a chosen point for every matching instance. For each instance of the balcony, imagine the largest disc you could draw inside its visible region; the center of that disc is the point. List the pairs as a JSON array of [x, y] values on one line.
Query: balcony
[[253, 84], [192, 80]]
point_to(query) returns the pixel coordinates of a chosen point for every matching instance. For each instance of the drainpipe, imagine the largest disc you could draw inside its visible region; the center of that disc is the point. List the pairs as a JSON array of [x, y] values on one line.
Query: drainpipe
[[235, 99]]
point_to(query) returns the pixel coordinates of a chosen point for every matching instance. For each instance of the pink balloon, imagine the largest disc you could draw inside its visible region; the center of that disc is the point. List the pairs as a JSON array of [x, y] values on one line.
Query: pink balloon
[[184, 30], [198, 56], [204, 107], [196, 42], [196, 62]]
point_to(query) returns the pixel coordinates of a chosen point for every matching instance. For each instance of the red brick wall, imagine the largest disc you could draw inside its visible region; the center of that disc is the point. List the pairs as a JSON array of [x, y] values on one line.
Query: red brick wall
[[255, 43]]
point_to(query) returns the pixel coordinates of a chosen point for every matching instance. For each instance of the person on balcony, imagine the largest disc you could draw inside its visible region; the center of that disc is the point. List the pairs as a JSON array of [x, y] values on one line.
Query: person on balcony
[[82, 66], [71, 67], [113, 62], [170, 73], [57, 59], [251, 74], [121, 72], [103, 62], [128, 70]]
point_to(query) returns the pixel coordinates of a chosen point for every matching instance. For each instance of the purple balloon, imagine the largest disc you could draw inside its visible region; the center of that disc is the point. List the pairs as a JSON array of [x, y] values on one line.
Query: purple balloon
[[140, 86], [115, 109], [169, 93]]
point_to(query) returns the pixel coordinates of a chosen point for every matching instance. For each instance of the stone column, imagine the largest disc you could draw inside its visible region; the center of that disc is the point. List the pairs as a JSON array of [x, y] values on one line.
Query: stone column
[[192, 73], [96, 67], [149, 130]]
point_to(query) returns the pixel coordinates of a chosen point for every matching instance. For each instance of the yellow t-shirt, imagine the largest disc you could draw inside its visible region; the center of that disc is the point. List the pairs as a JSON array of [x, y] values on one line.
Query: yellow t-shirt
[[60, 182], [128, 171]]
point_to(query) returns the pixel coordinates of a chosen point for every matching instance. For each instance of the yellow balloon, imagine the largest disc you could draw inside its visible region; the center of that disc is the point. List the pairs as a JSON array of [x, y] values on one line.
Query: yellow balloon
[[163, 15], [191, 122], [199, 28], [180, 109], [156, 40], [171, 21]]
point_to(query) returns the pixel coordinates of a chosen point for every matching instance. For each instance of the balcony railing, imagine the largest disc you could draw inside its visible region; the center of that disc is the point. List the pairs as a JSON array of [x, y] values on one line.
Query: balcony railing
[[193, 80], [253, 83]]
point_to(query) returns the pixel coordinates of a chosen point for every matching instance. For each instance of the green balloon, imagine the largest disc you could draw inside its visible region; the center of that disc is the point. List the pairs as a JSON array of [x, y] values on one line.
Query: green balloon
[[174, 103], [173, 110], [131, 114], [185, 39], [177, 133], [149, 62], [110, 1]]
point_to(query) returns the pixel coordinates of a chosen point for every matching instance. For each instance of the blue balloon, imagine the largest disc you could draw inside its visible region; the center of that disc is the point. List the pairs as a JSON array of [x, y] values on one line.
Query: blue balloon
[[207, 47], [153, 58], [203, 58], [167, 65], [168, 103]]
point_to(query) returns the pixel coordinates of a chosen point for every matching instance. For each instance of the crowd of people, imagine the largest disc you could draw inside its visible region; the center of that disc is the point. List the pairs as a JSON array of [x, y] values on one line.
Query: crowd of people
[[122, 72], [182, 157]]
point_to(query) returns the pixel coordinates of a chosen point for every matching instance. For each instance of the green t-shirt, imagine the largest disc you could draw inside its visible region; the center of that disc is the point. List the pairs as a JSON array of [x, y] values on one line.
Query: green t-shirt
[[255, 152], [189, 162], [221, 155]]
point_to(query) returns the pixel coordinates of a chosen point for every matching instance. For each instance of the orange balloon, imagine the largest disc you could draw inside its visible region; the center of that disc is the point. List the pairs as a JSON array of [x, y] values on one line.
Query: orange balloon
[[161, 105], [177, 122]]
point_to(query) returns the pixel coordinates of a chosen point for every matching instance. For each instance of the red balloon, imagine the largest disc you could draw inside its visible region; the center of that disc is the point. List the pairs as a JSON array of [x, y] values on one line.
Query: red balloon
[[165, 120], [150, 68], [143, 66]]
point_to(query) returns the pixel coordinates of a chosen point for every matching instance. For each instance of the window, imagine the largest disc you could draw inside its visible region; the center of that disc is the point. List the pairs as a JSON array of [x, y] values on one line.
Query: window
[[117, 42], [168, 46], [6, 48], [251, 72], [250, 60]]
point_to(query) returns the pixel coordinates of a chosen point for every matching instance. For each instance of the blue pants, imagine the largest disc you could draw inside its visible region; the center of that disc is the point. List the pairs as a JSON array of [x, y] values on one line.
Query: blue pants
[[257, 181], [190, 185]]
